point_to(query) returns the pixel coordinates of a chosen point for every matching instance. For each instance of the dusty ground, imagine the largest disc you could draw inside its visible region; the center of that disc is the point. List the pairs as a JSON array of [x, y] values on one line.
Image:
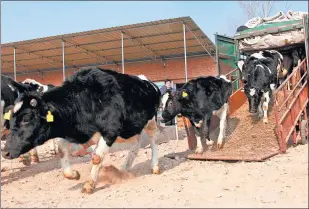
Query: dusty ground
[[281, 181]]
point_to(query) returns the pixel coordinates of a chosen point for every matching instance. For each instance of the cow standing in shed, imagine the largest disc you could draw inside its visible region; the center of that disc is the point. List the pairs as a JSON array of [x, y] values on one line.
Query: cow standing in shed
[[198, 100], [92, 102]]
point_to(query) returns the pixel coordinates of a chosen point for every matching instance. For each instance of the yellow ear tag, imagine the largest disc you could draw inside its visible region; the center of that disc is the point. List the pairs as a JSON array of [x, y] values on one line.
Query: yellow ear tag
[[184, 94], [49, 117], [7, 115]]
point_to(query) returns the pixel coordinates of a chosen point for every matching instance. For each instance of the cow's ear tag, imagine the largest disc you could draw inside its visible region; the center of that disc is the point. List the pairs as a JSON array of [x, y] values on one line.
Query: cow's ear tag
[[184, 94], [7, 115], [49, 117]]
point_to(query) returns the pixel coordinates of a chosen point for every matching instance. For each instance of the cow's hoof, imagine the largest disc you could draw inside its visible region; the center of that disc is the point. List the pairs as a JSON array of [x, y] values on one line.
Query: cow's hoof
[[209, 142], [156, 170], [265, 120], [89, 187], [35, 159], [199, 150], [75, 175], [3, 137], [219, 145], [25, 160]]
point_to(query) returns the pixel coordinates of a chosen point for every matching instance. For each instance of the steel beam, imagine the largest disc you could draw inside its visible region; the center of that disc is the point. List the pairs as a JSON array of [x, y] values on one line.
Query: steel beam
[[88, 52], [63, 64], [60, 37], [116, 40], [48, 60], [122, 52], [94, 57], [14, 63], [200, 42], [141, 45], [185, 52], [174, 56]]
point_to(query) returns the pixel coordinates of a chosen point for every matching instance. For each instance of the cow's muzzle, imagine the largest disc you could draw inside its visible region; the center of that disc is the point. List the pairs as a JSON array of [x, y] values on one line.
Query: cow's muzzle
[[6, 155], [253, 111]]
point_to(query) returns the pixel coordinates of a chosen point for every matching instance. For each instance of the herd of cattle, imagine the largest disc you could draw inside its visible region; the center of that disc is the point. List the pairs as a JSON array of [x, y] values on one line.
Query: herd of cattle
[[111, 110]]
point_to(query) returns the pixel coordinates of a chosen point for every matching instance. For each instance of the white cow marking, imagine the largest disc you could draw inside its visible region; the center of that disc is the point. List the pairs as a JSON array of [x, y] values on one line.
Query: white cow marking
[[258, 55], [265, 106], [272, 86], [240, 64], [143, 77], [224, 77], [252, 92], [17, 106], [164, 100], [264, 67]]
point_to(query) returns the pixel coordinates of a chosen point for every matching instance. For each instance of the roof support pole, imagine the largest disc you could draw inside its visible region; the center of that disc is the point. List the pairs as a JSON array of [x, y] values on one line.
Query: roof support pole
[[14, 63], [185, 52], [63, 65], [122, 53]]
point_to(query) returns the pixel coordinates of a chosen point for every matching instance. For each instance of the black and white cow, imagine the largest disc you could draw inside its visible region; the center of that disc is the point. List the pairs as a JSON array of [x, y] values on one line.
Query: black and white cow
[[8, 95], [261, 77], [116, 107], [198, 100], [271, 58]]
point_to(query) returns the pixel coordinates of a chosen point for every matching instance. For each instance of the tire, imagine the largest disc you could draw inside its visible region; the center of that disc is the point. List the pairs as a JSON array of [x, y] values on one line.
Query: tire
[[304, 132]]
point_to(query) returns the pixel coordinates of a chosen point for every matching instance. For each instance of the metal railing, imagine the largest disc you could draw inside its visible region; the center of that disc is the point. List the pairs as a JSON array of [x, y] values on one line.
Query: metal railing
[[290, 105]]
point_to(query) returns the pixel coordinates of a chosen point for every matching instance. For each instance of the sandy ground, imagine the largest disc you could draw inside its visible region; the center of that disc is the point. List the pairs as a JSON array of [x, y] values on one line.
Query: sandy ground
[[281, 181]]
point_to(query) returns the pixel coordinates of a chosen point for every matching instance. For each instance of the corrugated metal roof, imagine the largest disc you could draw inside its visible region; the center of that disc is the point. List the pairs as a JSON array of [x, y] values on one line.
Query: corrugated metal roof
[[151, 40]]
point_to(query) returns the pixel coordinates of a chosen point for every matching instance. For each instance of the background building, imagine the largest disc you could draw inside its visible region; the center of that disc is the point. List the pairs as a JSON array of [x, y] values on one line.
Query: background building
[[158, 49]]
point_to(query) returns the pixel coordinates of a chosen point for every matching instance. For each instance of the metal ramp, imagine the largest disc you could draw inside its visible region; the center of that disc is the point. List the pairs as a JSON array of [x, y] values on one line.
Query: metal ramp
[[248, 139]]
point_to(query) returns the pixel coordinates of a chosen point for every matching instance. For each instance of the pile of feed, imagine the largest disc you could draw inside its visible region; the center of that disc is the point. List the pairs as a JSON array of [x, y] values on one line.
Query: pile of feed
[[247, 138]]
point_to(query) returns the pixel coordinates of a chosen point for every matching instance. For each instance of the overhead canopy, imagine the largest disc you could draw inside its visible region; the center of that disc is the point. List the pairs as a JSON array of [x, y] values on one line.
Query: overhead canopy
[[156, 40]]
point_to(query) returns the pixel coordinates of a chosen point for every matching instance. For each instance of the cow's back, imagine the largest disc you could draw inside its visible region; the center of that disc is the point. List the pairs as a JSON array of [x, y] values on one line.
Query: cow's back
[[97, 90]]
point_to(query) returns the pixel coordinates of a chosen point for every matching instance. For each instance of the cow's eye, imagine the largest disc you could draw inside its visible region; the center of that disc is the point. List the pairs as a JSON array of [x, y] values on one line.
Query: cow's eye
[[26, 118]]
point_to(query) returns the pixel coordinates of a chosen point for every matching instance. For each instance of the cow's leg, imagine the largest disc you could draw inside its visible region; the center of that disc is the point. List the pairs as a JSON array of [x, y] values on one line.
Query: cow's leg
[[1, 113], [204, 134], [260, 109], [266, 99], [97, 158], [34, 155], [53, 149], [154, 157], [132, 154], [25, 158], [64, 153], [152, 131], [199, 145], [223, 123]]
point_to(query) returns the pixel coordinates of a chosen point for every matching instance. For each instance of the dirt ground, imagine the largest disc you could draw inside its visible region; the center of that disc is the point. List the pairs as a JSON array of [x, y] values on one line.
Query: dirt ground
[[281, 181]]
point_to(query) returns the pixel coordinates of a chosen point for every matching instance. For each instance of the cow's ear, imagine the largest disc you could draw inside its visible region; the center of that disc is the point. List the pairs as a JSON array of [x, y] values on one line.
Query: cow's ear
[[17, 87]]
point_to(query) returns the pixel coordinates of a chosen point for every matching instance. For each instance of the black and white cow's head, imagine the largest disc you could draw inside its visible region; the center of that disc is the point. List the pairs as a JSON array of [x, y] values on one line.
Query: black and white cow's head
[[171, 104], [296, 58], [28, 125], [259, 80]]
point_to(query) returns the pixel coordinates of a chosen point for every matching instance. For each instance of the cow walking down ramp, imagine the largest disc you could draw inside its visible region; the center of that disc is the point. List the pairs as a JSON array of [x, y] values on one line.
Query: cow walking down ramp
[[250, 139]]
